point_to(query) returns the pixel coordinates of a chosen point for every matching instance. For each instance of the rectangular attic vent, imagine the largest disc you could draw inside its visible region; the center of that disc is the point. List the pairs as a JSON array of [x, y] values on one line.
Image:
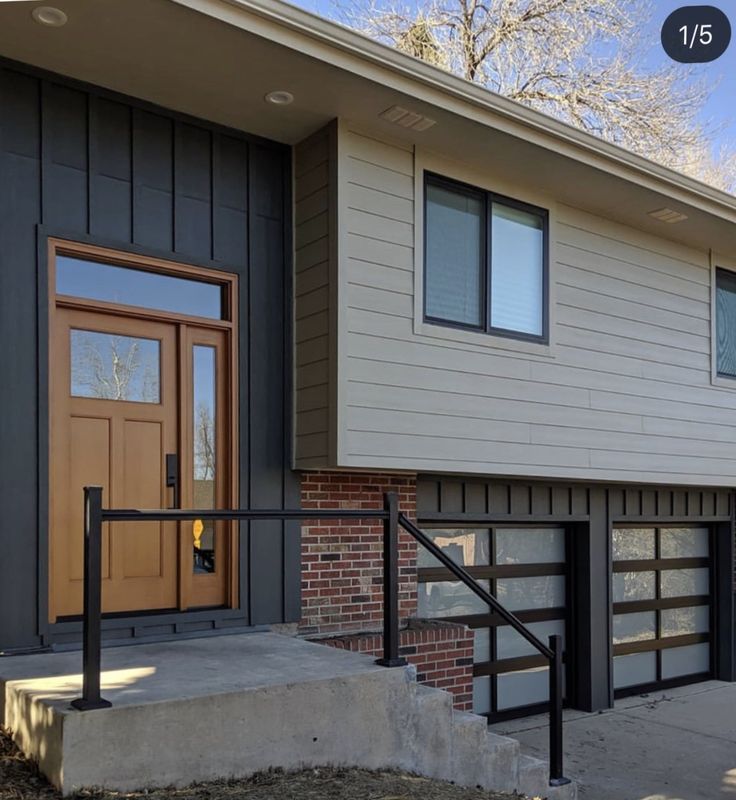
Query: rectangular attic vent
[[407, 119], [668, 215]]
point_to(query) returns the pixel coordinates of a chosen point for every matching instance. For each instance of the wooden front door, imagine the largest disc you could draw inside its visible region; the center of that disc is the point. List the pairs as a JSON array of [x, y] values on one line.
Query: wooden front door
[[141, 403]]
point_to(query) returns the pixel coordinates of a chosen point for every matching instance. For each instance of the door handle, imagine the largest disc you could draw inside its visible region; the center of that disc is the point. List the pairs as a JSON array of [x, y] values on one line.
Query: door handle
[[172, 476]]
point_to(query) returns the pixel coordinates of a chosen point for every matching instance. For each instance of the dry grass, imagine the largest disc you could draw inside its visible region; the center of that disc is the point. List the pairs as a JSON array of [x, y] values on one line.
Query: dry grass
[[20, 780]]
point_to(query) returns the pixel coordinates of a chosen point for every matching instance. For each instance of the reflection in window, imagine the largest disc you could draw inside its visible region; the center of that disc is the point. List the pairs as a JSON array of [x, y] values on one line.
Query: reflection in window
[[684, 543], [684, 582], [465, 546], [449, 599], [544, 591], [633, 544], [683, 621], [629, 586], [204, 400], [109, 366], [136, 287], [635, 627], [530, 545]]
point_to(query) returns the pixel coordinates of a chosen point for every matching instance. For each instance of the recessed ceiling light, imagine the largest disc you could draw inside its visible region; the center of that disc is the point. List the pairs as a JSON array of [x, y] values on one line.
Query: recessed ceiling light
[[49, 16], [668, 215], [280, 98]]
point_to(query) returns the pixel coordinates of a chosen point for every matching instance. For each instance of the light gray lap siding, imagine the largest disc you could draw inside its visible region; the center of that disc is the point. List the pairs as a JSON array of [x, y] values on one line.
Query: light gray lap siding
[[630, 353]]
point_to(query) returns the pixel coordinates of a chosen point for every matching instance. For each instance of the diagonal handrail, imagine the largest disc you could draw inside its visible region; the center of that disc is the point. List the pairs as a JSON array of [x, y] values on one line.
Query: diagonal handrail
[[95, 515]]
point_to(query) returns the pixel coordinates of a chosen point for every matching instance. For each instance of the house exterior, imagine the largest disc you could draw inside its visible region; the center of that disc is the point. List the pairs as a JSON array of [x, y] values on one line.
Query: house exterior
[[250, 258]]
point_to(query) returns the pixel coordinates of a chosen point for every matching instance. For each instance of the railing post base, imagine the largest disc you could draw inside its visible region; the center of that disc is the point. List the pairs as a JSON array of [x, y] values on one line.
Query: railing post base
[[90, 705], [391, 662], [556, 776], [559, 781]]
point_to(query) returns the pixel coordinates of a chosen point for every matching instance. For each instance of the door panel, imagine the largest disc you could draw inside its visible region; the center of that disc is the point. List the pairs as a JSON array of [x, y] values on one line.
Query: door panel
[[661, 607], [114, 417]]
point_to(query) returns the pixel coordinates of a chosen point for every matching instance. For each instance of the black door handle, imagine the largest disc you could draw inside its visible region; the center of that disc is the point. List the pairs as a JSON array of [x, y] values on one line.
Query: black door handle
[[172, 476]]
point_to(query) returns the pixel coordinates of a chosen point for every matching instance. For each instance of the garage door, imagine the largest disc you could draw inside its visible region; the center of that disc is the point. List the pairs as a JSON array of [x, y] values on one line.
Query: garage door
[[661, 607], [526, 569]]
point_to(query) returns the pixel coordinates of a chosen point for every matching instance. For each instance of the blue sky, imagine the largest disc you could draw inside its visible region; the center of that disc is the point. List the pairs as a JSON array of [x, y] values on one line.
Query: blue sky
[[721, 73]]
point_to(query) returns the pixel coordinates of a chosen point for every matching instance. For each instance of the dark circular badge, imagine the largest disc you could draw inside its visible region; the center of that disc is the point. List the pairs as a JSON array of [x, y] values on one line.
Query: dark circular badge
[[696, 34]]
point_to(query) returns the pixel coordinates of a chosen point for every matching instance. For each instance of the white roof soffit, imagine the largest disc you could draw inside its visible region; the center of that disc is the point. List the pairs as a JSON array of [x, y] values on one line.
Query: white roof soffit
[[346, 49]]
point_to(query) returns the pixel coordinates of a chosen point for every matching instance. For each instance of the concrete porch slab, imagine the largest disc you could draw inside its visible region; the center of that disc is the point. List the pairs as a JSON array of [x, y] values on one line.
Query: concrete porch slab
[[678, 744], [203, 709]]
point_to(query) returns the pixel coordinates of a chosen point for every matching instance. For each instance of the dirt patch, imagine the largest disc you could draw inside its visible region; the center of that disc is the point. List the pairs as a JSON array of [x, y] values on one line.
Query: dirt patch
[[21, 780]]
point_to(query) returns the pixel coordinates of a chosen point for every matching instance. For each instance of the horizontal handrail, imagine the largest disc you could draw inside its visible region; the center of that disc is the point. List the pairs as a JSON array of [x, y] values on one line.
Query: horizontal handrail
[[252, 515], [392, 519], [462, 574]]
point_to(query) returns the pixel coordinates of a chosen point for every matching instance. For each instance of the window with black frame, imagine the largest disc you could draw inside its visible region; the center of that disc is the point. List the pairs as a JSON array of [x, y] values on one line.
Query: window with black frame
[[725, 312], [485, 261]]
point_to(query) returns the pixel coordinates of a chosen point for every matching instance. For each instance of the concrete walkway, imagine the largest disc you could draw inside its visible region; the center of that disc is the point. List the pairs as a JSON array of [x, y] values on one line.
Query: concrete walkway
[[674, 745]]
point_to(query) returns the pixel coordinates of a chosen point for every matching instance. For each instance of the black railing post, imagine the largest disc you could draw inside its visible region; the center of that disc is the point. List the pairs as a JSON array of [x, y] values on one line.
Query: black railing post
[[391, 583], [92, 621], [556, 777]]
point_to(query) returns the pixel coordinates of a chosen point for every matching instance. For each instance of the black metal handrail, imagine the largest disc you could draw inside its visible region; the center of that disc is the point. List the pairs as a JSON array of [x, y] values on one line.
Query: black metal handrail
[[95, 515]]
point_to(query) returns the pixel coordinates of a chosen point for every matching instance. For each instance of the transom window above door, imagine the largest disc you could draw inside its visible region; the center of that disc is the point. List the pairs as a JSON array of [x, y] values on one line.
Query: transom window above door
[[129, 286], [485, 261]]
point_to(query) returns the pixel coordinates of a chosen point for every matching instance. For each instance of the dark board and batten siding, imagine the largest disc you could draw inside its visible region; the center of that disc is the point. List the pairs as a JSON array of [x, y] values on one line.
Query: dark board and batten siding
[[80, 163]]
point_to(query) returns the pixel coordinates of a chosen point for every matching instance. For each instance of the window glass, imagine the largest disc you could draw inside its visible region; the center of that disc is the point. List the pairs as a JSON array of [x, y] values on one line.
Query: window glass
[[684, 543], [454, 273], [465, 546], [136, 287], [523, 688], [545, 591], [517, 270], [635, 627], [634, 669], [633, 544], [449, 599], [482, 645], [684, 582], [481, 695], [726, 322], [530, 545], [109, 366], [204, 461], [628, 586], [510, 644], [689, 660], [682, 621]]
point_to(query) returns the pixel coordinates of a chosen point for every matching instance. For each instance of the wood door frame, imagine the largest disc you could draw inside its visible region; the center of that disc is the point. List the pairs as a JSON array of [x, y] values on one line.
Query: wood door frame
[[230, 326]]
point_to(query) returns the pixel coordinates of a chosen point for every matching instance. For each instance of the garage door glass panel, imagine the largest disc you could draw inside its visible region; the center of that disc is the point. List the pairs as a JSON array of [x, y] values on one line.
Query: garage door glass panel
[[684, 582], [468, 547], [481, 695], [482, 645], [633, 544], [108, 366], [680, 661], [546, 591], [684, 543], [630, 586], [449, 599], [683, 621], [523, 688], [510, 644], [530, 546], [634, 669], [635, 627]]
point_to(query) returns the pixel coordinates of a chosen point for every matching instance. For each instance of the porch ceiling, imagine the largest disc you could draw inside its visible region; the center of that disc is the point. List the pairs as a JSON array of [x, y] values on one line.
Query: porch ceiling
[[177, 54]]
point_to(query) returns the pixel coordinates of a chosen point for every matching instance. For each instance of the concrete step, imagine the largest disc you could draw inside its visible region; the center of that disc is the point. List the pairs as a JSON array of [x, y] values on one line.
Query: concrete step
[[534, 781]]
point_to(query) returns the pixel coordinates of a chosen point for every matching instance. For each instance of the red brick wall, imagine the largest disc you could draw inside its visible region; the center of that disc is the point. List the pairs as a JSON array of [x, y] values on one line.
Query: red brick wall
[[342, 568], [441, 652]]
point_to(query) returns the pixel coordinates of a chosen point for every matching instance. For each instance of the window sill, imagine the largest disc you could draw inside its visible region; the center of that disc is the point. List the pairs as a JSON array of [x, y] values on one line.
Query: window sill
[[723, 382], [445, 333]]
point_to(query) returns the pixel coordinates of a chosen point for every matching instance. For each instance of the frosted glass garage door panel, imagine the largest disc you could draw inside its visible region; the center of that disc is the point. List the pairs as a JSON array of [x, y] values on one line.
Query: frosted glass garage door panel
[[468, 547], [530, 546], [633, 544], [511, 644], [683, 621], [684, 543], [684, 582], [546, 591], [482, 645], [449, 599], [634, 669], [635, 627], [689, 660], [630, 586], [481, 695], [522, 688]]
